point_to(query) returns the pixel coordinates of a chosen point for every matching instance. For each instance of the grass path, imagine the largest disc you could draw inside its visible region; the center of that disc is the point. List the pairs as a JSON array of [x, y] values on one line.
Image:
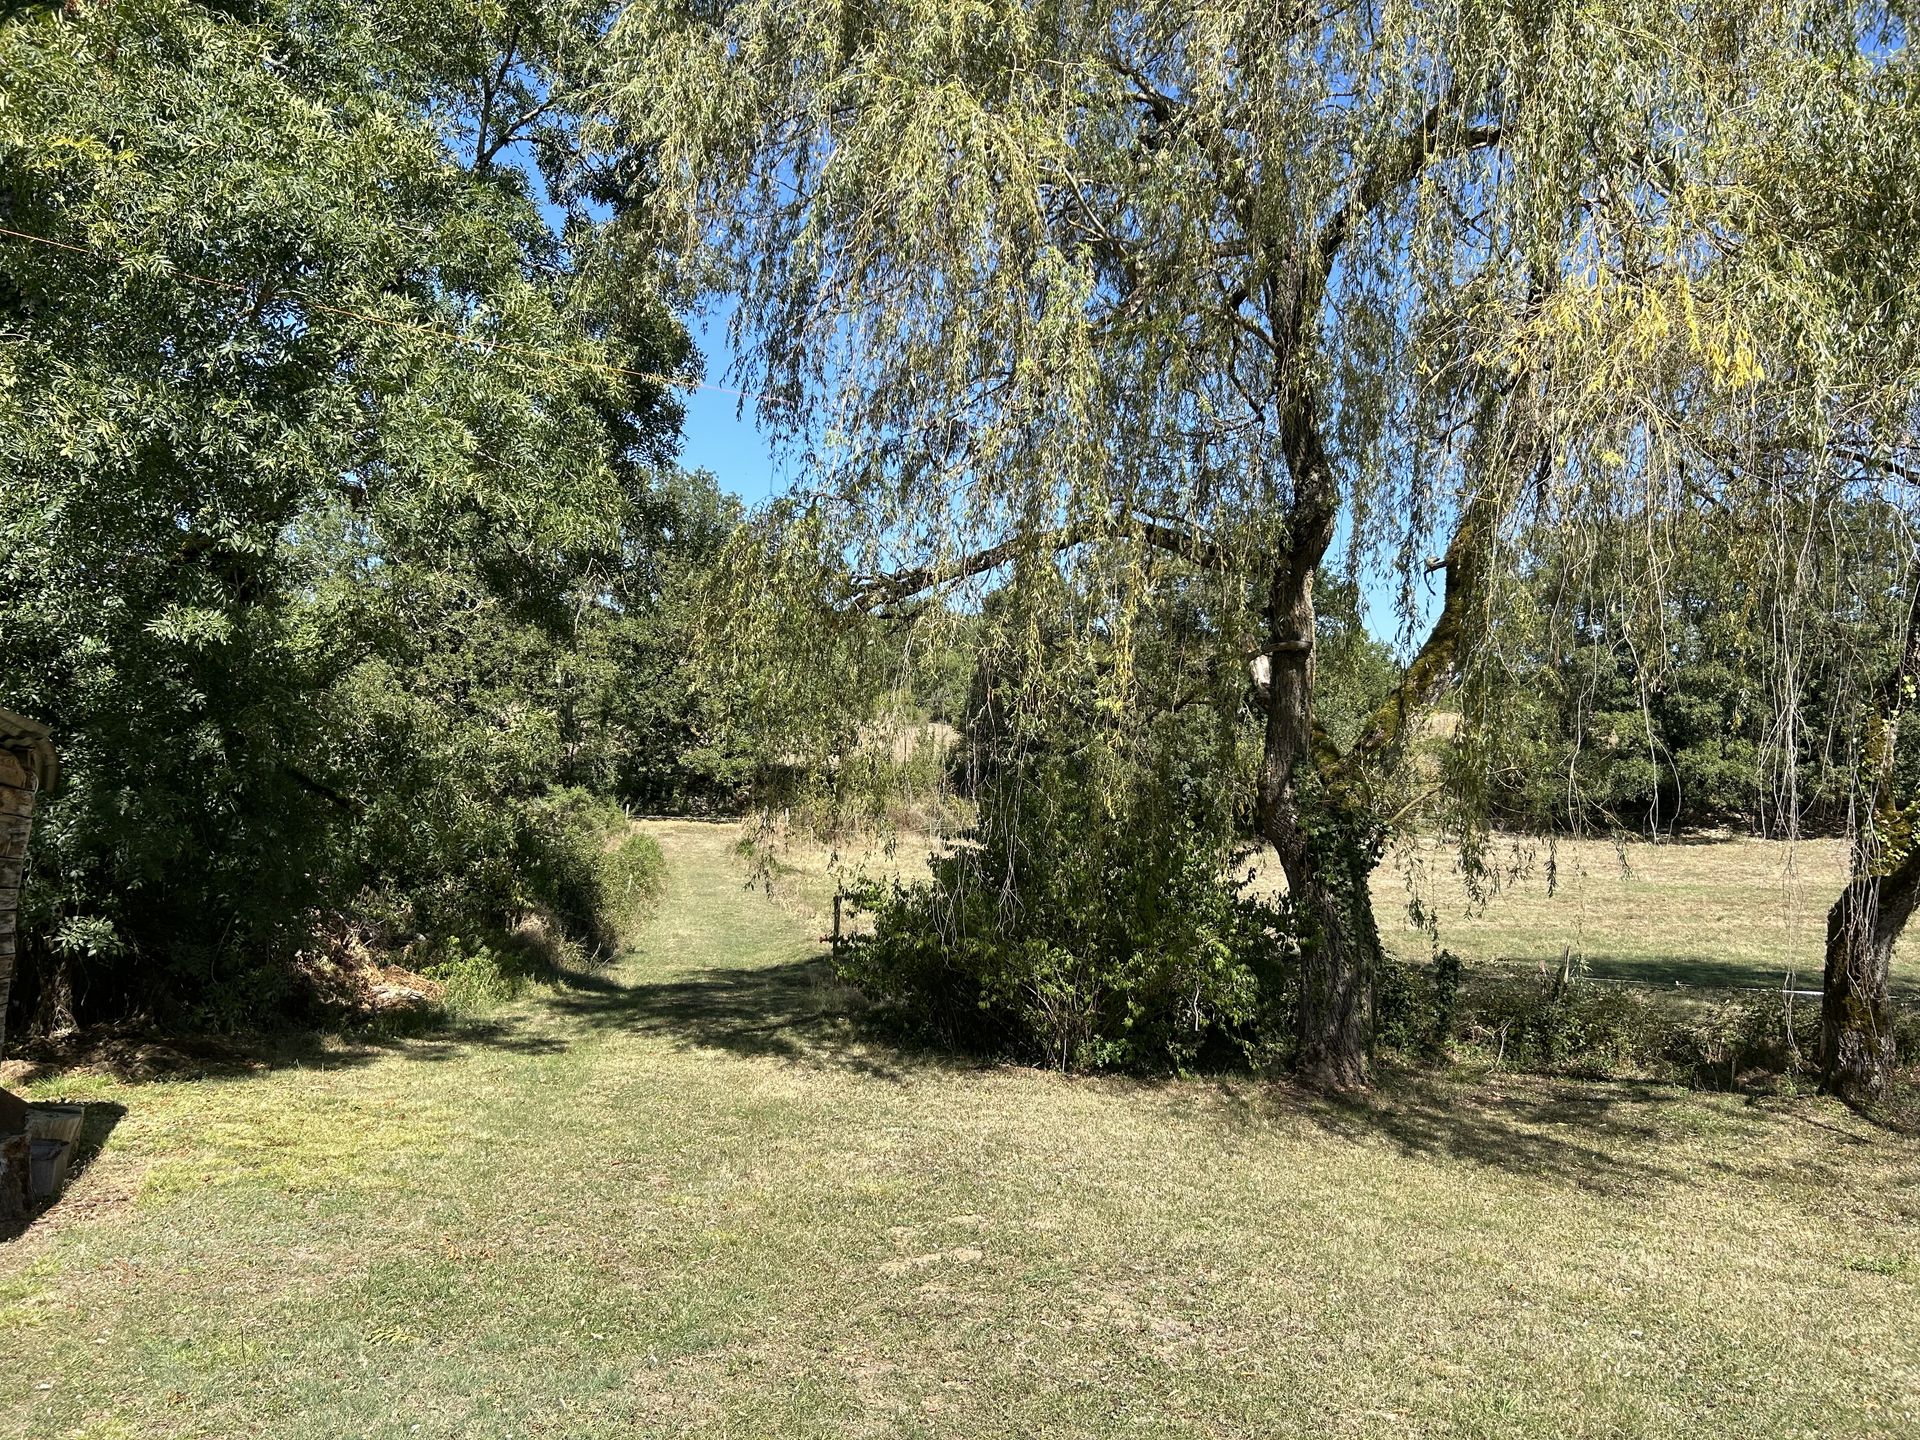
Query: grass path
[[687, 1199]]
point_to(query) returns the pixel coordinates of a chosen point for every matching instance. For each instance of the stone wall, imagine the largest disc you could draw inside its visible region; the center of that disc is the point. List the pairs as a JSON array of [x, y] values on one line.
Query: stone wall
[[18, 783]]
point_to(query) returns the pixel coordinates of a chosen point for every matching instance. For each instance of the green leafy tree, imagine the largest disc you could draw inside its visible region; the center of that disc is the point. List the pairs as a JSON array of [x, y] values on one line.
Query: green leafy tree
[[1063, 286], [295, 408], [1684, 710]]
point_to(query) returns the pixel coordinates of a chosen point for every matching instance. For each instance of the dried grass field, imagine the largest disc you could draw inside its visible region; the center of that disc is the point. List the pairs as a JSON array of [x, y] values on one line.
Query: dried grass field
[[687, 1197]]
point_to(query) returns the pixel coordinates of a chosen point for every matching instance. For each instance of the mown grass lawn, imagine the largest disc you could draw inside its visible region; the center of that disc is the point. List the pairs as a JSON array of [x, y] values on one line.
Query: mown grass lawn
[[686, 1198]]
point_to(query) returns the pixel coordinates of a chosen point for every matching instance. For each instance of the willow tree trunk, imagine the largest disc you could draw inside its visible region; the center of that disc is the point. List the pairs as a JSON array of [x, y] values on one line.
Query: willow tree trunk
[[1856, 1011], [1327, 860]]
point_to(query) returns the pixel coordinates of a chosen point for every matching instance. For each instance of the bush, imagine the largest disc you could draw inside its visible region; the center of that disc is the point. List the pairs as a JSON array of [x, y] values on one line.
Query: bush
[[1579, 1027], [587, 878], [473, 977], [1070, 982], [631, 872], [583, 866], [1084, 930], [561, 850], [1415, 1005]]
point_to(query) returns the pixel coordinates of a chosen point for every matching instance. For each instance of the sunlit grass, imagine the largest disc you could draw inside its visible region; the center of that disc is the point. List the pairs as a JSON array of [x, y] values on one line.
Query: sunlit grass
[[1716, 913], [691, 1198]]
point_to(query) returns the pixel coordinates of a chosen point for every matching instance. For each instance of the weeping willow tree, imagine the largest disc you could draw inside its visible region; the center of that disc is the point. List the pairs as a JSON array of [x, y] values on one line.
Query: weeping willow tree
[[1251, 290], [1786, 448]]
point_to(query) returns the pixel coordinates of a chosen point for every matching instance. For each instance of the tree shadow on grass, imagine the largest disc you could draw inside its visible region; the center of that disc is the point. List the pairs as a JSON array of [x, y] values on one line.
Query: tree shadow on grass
[[138, 1055], [1608, 1137], [799, 1012], [1599, 1137], [1623, 1137], [1596, 1136]]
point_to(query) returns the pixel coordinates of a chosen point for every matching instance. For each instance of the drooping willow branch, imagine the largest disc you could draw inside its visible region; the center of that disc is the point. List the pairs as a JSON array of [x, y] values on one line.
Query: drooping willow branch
[[877, 592]]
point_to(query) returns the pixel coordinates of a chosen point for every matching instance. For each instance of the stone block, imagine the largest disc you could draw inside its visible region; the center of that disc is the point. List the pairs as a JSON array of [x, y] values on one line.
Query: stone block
[[47, 1162], [14, 772], [16, 1181]]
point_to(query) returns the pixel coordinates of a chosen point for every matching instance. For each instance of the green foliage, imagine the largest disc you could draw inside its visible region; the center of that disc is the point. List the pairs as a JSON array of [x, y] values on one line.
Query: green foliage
[[1045, 292], [630, 873], [472, 977], [1354, 673], [1619, 711], [1417, 1005], [1127, 949], [1093, 916], [1578, 1026], [580, 873], [340, 514], [1213, 280]]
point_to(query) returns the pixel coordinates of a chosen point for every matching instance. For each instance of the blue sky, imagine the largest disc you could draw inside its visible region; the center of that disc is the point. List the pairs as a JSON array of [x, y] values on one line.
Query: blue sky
[[719, 434]]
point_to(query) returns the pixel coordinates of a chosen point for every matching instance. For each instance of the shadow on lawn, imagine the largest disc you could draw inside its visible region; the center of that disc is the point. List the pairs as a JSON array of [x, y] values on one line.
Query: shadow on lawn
[[798, 1012], [1598, 1137], [1605, 1137], [135, 1055], [98, 1117], [1609, 1137], [1698, 975]]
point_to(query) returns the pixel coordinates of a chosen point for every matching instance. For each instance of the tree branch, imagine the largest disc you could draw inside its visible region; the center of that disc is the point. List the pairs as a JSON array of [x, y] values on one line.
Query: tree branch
[[489, 88], [1885, 464], [1400, 166], [1430, 672], [875, 591]]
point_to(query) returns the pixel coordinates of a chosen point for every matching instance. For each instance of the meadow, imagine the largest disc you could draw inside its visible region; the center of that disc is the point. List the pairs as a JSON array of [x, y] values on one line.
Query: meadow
[[688, 1196], [1694, 913]]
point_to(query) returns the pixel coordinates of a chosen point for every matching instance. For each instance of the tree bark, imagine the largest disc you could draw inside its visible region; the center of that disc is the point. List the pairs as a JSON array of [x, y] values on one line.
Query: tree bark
[[1856, 1010], [1326, 853]]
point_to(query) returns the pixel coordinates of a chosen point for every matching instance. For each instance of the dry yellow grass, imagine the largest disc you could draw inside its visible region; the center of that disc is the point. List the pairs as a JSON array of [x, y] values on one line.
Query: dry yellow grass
[[689, 1199], [1703, 913]]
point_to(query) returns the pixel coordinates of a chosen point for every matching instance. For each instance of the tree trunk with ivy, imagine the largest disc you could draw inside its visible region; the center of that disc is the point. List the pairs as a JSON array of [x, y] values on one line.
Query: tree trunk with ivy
[[1856, 1008], [1856, 1012]]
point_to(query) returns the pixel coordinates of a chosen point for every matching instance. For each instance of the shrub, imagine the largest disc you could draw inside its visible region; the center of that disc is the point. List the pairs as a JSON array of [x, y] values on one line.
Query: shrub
[[473, 976], [582, 862], [1415, 1005], [631, 872], [588, 877], [1125, 946], [1576, 1026], [1195, 989]]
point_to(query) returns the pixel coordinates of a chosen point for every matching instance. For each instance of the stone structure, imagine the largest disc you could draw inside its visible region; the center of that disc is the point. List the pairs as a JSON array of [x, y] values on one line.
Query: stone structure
[[27, 767]]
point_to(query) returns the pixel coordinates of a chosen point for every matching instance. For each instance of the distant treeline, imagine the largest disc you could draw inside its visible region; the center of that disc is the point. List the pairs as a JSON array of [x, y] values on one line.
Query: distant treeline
[[1716, 678]]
